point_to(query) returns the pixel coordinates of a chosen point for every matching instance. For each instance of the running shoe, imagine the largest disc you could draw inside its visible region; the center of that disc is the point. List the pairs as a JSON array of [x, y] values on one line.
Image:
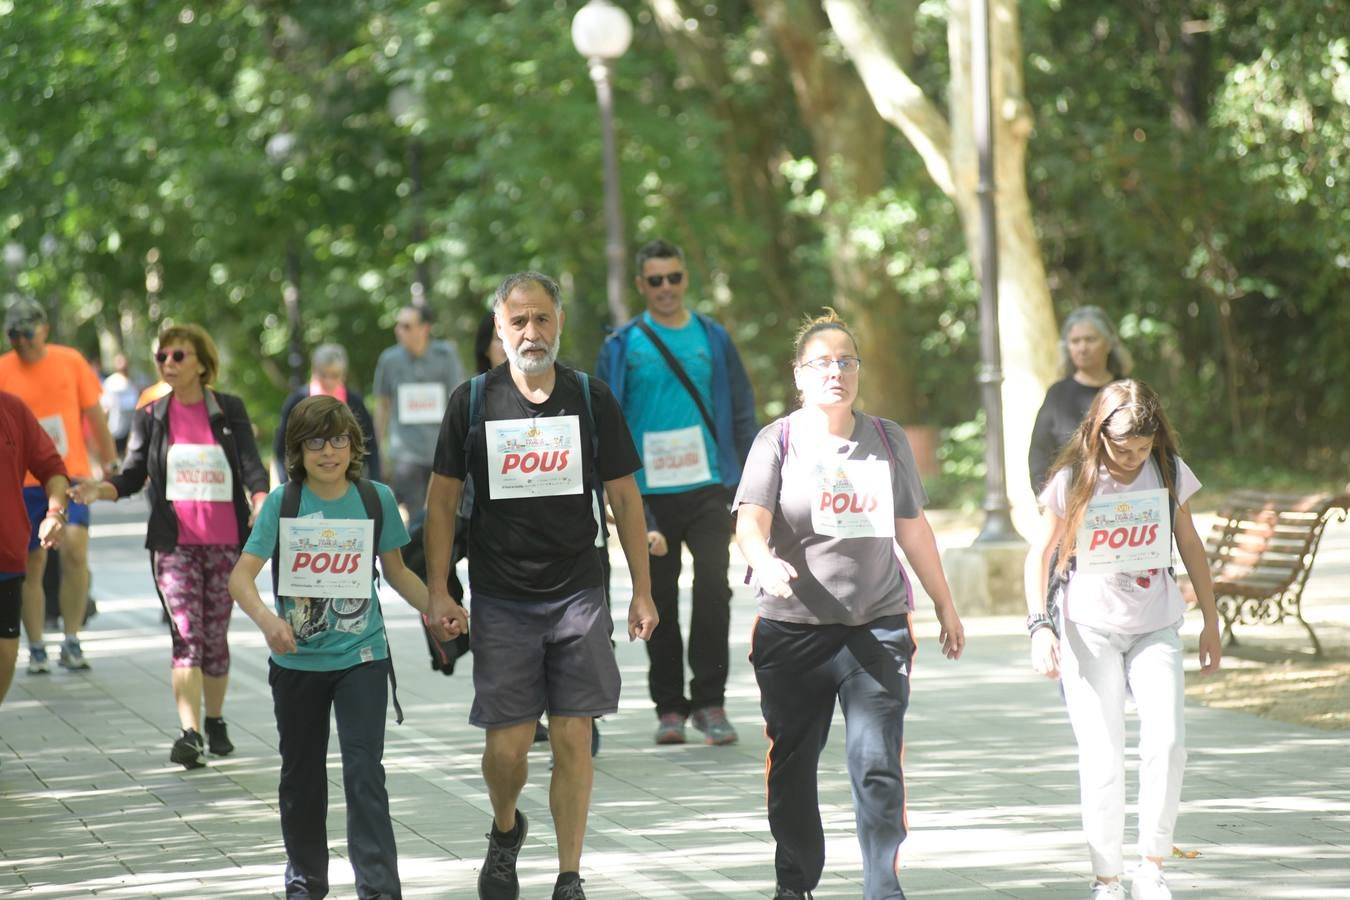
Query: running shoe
[[37, 661], [712, 721], [72, 657], [188, 751], [218, 737], [572, 890], [497, 879], [1102, 890], [670, 730], [1149, 884]]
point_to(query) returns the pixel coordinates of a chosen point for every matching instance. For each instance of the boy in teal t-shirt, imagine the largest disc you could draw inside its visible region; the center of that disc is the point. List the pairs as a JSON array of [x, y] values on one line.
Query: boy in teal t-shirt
[[330, 653]]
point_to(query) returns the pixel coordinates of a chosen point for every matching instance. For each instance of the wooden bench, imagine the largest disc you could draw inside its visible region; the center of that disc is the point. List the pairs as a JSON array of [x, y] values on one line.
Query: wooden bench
[[1261, 549]]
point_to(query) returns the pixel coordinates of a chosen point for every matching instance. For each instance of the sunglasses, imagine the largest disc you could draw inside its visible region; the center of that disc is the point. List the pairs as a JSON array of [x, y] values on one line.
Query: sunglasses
[[176, 355], [672, 277], [26, 333], [845, 364], [337, 442]]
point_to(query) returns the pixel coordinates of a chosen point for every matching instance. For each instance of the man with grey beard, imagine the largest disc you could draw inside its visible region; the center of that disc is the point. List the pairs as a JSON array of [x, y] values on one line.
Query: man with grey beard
[[538, 440]]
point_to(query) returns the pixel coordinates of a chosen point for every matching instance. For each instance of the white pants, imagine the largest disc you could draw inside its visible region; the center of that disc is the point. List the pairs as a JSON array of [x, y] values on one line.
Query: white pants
[[1095, 667]]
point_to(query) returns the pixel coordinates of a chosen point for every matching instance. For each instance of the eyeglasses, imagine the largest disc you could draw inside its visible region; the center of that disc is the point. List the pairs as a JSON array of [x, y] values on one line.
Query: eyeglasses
[[26, 333], [177, 356], [672, 277], [845, 364], [337, 442]]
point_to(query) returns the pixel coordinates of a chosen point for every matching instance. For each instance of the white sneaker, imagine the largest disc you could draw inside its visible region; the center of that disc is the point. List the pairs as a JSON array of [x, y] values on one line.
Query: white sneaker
[[1102, 890], [1149, 884]]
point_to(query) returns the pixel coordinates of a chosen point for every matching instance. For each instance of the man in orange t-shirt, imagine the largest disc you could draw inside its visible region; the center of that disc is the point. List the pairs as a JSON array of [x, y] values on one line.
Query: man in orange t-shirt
[[62, 391]]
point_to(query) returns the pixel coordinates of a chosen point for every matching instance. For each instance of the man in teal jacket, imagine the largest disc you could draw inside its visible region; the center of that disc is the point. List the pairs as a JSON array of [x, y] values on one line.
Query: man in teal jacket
[[691, 410]]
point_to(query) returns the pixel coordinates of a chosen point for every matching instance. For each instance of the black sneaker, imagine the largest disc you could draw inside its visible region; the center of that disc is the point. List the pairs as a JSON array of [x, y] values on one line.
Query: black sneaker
[[497, 879], [188, 751], [569, 891], [218, 737], [787, 893]]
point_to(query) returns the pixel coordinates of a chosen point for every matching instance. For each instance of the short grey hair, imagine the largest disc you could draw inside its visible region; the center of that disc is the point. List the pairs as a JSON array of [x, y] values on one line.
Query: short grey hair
[[519, 279], [328, 355], [1119, 362]]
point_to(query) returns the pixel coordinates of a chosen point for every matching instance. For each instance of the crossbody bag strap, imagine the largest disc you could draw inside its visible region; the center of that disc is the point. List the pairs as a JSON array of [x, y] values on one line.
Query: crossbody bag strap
[[680, 374]]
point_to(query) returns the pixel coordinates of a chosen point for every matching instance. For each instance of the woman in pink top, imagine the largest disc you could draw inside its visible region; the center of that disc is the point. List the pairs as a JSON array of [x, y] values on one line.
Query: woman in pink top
[[195, 448]]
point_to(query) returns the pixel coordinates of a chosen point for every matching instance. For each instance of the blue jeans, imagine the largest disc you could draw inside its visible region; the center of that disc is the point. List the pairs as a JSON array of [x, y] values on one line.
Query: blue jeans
[[302, 700], [801, 670]]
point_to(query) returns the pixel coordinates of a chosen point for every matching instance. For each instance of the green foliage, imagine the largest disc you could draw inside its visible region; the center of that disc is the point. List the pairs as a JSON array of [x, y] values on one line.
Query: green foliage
[[158, 162]]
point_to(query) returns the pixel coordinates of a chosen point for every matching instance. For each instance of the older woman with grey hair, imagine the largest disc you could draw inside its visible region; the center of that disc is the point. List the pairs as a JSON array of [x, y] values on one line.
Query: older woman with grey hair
[[328, 376], [1093, 357]]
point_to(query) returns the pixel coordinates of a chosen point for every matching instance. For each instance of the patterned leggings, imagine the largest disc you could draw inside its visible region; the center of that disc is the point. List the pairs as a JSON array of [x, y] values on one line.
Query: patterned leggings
[[194, 581]]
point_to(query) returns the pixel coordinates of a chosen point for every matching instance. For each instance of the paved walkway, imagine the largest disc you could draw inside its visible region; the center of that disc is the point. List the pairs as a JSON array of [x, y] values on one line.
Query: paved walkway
[[90, 805]]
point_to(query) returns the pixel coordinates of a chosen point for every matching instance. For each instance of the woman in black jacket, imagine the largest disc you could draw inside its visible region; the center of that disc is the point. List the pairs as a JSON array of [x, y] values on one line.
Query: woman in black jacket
[[328, 376], [195, 449], [1092, 357]]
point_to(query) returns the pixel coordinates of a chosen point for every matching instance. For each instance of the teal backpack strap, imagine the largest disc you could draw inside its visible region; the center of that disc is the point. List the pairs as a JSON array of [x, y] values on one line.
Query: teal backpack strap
[[370, 498]]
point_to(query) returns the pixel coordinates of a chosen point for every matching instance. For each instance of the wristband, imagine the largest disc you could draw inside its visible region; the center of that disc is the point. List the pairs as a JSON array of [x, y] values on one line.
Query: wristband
[[1037, 621], [57, 513]]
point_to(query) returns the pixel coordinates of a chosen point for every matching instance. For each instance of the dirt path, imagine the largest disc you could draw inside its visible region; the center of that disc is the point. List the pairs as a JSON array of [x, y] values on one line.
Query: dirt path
[[1278, 678]]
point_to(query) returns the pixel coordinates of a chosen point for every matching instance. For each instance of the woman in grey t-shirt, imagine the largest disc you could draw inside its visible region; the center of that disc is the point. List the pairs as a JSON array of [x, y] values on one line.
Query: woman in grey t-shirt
[[826, 496]]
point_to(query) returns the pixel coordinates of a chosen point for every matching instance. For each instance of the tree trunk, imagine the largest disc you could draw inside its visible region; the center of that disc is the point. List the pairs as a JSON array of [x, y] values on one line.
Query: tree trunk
[[849, 142], [1027, 330]]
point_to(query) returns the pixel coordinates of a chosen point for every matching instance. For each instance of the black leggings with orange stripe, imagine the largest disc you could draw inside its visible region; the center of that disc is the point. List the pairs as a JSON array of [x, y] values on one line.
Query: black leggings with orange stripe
[[801, 670]]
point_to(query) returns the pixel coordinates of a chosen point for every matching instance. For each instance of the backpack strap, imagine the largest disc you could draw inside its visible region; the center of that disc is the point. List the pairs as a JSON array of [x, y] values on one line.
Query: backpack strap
[[290, 508], [370, 499], [895, 545]]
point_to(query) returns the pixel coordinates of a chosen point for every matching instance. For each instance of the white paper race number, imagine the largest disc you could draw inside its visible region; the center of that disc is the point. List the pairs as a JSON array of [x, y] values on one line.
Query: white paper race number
[[1126, 532], [853, 498], [326, 557], [55, 426], [675, 458], [421, 404], [533, 457], [198, 472]]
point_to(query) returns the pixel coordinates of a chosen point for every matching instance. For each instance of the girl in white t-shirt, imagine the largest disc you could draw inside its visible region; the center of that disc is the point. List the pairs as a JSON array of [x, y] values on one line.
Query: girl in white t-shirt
[[1121, 618]]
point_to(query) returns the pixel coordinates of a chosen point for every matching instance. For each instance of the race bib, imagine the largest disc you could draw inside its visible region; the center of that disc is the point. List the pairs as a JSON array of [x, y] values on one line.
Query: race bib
[[534, 457], [675, 458], [421, 404], [1125, 533], [329, 558], [55, 426], [198, 472], [852, 499]]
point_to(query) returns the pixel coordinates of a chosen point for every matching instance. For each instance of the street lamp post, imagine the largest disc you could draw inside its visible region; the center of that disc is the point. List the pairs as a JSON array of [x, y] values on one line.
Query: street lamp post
[[279, 148], [601, 32], [998, 524], [407, 107]]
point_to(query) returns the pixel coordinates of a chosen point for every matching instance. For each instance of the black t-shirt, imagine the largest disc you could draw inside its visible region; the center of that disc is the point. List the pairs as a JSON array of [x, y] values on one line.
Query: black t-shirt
[[543, 547]]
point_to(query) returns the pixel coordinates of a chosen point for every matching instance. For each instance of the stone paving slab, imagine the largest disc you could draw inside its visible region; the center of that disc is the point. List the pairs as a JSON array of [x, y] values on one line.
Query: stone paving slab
[[91, 807]]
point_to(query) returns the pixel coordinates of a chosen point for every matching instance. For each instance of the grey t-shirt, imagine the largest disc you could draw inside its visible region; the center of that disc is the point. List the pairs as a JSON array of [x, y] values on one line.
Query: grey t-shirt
[[417, 390], [840, 580]]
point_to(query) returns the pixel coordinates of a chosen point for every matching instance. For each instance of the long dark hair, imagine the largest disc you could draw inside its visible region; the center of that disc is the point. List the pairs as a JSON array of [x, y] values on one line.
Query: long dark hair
[[1121, 410]]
